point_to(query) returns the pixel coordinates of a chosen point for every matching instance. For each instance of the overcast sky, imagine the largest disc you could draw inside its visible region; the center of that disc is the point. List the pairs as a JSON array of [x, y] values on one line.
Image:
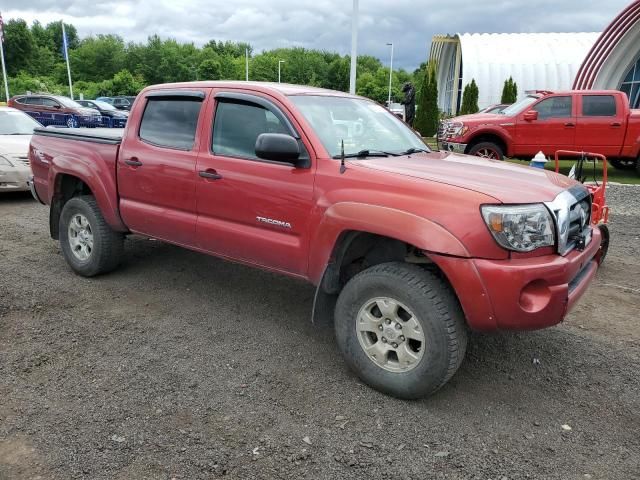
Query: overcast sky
[[321, 24]]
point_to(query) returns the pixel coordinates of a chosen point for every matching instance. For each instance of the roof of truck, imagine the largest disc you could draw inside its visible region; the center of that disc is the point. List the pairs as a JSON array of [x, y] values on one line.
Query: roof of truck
[[282, 88]]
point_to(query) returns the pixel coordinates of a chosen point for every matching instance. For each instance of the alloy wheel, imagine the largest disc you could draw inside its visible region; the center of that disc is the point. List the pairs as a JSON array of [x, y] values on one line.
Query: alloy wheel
[[80, 237], [390, 334]]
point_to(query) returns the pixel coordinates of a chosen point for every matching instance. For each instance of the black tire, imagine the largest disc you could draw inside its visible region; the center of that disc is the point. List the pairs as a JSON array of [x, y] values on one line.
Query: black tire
[[107, 245], [433, 305], [604, 246], [623, 164], [487, 150]]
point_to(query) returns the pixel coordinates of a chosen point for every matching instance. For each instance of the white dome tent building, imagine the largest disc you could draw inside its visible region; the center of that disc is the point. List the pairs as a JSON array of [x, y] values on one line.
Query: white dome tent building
[[535, 61]]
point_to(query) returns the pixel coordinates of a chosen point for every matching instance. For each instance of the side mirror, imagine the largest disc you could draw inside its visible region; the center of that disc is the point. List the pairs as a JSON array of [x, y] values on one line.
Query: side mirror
[[278, 147], [57, 106], [531, 115]]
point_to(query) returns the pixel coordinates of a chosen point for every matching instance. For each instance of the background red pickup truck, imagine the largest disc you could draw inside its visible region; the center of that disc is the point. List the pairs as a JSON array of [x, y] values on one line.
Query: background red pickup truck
[[409, 248], [592, 121]]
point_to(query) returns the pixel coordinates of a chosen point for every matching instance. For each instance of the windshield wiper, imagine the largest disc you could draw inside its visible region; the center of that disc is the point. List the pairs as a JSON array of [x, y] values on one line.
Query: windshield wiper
[[367, 153], [414, 150]]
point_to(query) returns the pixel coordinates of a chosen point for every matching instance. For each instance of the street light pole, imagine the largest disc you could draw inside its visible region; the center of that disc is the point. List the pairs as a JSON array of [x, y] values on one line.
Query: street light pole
[[246, 64], [280, 62], [354, 48], [390, 74]]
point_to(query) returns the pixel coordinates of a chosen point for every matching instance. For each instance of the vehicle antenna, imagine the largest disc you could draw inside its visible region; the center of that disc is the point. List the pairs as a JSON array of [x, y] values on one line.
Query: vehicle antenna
[[342, 165]]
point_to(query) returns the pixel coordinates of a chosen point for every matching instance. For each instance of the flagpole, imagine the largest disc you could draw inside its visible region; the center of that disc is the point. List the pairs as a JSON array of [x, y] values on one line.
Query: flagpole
[[4, 72], [66, 56], [4, 68]]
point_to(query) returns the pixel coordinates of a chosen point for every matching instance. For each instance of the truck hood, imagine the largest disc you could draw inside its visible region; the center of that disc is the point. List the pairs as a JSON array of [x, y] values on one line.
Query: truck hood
[[14, 144], [506, 182], [478, 118]]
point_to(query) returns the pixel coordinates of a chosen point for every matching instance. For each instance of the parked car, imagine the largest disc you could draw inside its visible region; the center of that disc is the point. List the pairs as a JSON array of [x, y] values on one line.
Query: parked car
[[16, 129], [497, 108], [407, 248], [56, 110], [598, 121], [123, 103], [111, 116]]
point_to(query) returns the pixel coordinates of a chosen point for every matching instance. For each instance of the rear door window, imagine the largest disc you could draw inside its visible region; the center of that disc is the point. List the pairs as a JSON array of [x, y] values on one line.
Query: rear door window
[[170, 122], [598, 106]]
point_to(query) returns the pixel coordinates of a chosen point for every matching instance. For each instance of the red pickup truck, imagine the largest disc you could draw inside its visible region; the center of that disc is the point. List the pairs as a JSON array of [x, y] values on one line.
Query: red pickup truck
[[408, 248], [591, 121]]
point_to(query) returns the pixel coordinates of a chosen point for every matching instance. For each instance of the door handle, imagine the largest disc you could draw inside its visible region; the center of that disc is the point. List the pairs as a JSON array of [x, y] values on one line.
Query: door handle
[[210, 173], [133, 162], [616, 124], [569, 124]]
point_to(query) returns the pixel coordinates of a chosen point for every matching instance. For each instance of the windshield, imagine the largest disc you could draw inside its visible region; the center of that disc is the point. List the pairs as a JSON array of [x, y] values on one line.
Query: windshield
[[16, 123], [362, 124], [519, 106]]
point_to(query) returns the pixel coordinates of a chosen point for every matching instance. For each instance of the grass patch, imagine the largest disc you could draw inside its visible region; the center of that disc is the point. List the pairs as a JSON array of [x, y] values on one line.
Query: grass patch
[[614, 175]]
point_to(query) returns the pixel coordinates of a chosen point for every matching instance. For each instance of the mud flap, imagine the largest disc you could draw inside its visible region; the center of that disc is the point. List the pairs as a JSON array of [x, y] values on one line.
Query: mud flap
[[324, 305]]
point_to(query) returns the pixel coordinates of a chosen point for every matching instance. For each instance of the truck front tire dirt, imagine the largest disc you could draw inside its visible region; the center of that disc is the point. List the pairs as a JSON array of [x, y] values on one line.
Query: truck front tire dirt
[[487, 150], [88, 244], [401, 329]]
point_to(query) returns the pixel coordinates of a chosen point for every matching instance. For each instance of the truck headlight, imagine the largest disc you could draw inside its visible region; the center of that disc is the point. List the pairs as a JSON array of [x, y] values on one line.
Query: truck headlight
[[4, 161], [457, 129], [521, 228]]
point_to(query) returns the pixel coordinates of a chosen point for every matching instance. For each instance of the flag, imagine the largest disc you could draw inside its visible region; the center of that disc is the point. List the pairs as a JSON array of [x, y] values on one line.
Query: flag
[[1, 30], [65, 44]]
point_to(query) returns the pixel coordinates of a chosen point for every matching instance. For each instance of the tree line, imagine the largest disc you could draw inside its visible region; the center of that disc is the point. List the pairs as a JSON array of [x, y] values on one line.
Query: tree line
[[107, 65]]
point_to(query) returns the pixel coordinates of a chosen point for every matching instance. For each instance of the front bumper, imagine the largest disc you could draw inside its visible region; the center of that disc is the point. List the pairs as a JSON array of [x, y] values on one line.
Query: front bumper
[[14, 179], [452, 146], [521, 294]]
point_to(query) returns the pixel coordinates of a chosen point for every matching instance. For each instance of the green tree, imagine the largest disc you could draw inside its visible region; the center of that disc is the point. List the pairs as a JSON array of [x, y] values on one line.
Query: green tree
[[509, 91], [124, 83], [427, 114], [338, 74], [209, 69], [107, 65], [470, 99], [54, 32], [18, 46], [97, 58]]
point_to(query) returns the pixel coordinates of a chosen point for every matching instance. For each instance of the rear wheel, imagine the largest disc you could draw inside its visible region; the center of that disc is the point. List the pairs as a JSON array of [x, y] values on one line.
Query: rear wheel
[[401, 329], [487, 150], [88, 244]]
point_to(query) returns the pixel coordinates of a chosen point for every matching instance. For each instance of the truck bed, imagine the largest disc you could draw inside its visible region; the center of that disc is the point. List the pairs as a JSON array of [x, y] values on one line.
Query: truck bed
[[111, 136]]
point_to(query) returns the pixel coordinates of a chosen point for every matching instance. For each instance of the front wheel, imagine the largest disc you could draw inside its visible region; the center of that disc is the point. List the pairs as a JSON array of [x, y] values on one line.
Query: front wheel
[[604, 245], [622, 163], [88, 244], [400, 329], [487, 150]]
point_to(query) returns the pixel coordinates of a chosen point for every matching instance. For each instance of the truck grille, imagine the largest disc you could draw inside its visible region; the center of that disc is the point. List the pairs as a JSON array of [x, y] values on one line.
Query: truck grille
[[579, 217], [572, 211]]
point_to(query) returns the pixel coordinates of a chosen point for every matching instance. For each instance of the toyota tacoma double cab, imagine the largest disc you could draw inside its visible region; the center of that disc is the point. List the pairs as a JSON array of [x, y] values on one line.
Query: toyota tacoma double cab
[[598, 121], [407, 248]]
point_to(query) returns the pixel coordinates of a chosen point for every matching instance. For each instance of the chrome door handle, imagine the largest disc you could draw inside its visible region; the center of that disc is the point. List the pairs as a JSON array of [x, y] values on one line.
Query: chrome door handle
[[210, 174], [133, 162]]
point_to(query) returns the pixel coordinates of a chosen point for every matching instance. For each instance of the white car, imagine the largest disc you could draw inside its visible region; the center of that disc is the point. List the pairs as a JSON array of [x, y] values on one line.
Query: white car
[[16, 128]]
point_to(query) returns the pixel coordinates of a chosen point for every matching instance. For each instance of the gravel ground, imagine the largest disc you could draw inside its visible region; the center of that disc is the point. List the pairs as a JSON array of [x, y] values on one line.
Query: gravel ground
[[183, 366]]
